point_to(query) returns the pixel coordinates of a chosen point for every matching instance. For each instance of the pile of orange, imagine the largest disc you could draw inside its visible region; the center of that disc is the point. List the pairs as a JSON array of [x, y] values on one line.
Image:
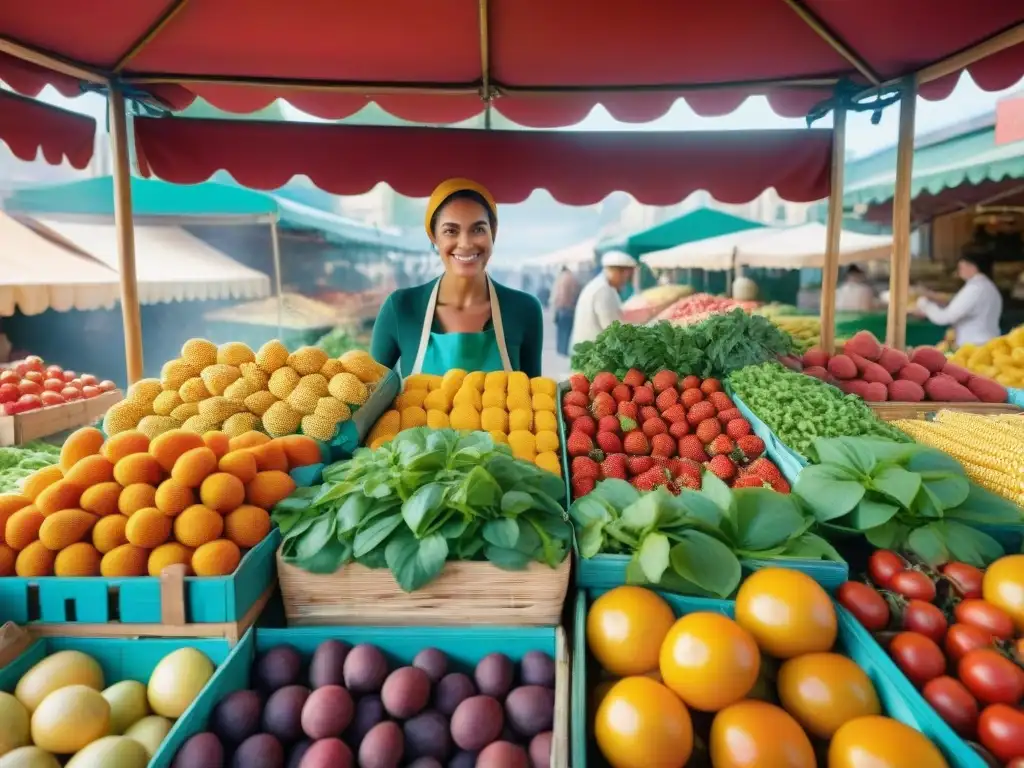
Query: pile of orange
[[766, 688]]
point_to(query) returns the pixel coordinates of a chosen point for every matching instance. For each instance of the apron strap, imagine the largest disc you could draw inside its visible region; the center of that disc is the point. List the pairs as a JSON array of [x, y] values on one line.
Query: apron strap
[[428, 322], [499, 327]]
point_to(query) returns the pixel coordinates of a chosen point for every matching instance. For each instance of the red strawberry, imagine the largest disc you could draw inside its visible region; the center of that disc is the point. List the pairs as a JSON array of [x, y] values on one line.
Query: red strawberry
[[604, 382], [574, 412], [749, 481], [781, 486], [649, 412], [691, 397], [603, 405], [572, 397], [643, 395], [689, 481], [614, 466], [579, 383], [710, 385], [622, 393], [585, 424], [751, 446], [722, 467], [629, 410], [729, 414], [675, 466], [766, 470], [721, 401], [579, 443], [637, 465], [582, 486], [609, 424], [708, 430], [662, 446], [721, 444], [654, 427], [634, 378], [690, 382], [700, 412], [636, 444], [667, 399], [679, 429], [627, 424], [651, 479], [737, 428], [689, 468], [609, 442], [690, 447], [664, 381], [584, 466], [674, 413]]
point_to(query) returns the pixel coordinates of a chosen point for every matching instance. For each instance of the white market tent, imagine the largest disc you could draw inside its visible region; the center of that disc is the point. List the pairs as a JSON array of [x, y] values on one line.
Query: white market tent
[[712, 253], [571, 256]]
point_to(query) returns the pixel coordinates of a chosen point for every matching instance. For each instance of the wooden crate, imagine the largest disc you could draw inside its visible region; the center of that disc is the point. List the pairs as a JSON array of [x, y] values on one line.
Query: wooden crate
[[922, 411], [13, 642], [465, 594], [43, 422]]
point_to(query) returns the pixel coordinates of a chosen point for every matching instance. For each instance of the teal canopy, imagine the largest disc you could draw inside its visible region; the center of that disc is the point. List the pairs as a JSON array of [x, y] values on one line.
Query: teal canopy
[[698, 224], [150, 197]]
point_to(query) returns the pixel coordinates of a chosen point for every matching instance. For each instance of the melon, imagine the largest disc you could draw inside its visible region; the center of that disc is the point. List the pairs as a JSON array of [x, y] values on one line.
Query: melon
[[111, 751], [14, 724], [150, 732], [62, 669], [128, 705], [28, 757], [69, 719], [177, 680]]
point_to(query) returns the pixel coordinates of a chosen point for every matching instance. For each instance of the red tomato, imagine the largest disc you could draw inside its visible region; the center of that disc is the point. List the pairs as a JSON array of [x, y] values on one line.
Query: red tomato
[[9, 377], [54, 372], [21, 369], [35, 376], [70, 393], [926, 619], [954, 704], [34, 362], [883, 565], [69, 375], [76, 383], [962, 638], [91, 391], [991, 677], [29, 403], [992, 619], [107, 386], [51, 398], [966, 578], [53, 385], [9, 392], [913, 585], [864, 602], [918, 656], [12, 407], [29, 387], [1001, 731], [88, 380]]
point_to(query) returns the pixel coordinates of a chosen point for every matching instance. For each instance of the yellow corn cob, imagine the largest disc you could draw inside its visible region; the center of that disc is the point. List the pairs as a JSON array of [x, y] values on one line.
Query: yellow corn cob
[[995, 433]]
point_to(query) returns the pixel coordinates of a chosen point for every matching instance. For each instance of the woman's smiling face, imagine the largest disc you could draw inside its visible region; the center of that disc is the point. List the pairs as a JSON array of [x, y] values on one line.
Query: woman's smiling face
[[464, 237]]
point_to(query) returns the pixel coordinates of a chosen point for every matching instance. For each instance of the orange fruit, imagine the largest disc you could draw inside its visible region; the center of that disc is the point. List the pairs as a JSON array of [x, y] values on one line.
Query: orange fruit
[[642, 724], [787, 612], [825, 690], [751, 734], [625, 629], [882, 742], [1003, 586]]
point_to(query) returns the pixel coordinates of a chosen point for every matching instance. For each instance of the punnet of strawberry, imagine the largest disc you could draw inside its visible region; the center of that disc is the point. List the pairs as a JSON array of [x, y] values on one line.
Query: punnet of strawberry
[[660, 432]]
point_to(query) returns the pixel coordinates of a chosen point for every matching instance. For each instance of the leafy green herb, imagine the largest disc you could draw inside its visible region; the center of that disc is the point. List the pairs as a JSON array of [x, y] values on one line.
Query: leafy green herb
[[427, 497], [18, 462], [339, 341], [903, 496]]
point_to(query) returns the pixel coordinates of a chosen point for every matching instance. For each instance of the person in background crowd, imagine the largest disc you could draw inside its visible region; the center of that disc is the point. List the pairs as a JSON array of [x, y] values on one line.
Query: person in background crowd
[[599, 304], [563, 301], [855, 294], [974, 311]]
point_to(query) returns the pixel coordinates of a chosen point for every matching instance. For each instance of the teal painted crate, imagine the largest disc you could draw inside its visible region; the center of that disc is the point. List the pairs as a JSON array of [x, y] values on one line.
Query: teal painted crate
[[1016, 397], [96, 600], [894, 690], [788, 461], [465, 646], [120, 659]]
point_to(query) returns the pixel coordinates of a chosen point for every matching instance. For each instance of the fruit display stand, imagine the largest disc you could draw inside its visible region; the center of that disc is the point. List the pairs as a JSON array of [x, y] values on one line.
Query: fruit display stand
[[172, 605], [464, 646], [53, 419]]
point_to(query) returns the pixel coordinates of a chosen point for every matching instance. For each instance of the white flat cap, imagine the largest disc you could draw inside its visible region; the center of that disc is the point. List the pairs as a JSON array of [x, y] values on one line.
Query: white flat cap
[[618, 259]]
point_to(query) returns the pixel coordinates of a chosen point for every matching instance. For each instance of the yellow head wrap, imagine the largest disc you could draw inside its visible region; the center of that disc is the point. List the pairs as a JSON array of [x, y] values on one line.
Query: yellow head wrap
[[446, 189]]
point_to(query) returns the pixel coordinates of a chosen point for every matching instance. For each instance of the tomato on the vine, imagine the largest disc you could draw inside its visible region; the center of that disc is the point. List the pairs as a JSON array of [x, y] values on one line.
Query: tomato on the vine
[[1001, 731], [925, 619], [883, 565], [993, 620], [962, 638], [954, 703], [966, 578], [918, 656], [864, 602], [991, 677], [913, 585]]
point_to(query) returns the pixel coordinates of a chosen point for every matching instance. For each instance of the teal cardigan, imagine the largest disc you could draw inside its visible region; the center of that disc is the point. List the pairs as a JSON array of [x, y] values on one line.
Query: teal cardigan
[[396, 332]]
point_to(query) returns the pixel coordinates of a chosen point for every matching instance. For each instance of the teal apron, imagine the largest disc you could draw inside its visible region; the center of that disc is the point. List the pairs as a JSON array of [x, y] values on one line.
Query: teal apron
[[439, 353]]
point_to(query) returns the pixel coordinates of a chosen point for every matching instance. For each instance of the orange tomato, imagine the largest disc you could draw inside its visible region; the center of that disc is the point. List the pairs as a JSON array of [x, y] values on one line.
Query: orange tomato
[[750, 734], [881, 742], [709, 661], [1003, 586], [625, 628], [825, 690], [642, 724], [787, 612]]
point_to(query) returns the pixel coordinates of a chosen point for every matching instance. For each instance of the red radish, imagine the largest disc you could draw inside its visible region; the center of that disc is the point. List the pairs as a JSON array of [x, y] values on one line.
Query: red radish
[[21, 369], [9, 393], [51, 398], [70, 393], [29, 387], [55, 372], [107, 386], [34, 362], [69, 375], [53, 385], [90, 391], [35, 376], [9, 377], [89, 380], [30, 402], [76, 383]]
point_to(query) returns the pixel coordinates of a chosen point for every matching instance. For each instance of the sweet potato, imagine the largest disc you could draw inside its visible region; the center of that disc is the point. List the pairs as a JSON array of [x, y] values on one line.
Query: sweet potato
[[870, 371], [962, 375], [842, 367], [793, 363], [893, 360], [818, 372], [906, 391], [914, 372], [815, 357], [875, 392], [856, 387], [865, 344], [988, 391], [944, 389], [930, 358]]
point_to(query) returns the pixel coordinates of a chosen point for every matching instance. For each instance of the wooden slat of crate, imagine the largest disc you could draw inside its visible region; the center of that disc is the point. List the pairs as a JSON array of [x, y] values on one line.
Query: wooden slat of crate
[[563, 692], [25, 427], [921, 411], [13, 642]]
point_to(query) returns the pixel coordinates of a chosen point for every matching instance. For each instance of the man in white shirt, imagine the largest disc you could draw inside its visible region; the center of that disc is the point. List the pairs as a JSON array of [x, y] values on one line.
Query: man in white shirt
[[599, 304], [855, 294], [974, 311]]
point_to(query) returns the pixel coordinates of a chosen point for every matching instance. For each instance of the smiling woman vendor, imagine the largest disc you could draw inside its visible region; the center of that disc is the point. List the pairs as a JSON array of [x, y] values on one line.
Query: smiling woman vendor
[[463, 319]]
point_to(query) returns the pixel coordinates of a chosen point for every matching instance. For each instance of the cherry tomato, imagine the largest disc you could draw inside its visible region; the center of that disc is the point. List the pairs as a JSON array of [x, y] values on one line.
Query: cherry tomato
[[1001, 730], [926, 619], [993, 620], [918, 656], [991, 677], [883, 565], [913, 585], [867, 606], [962, 638], [954, 704], [966, 578]]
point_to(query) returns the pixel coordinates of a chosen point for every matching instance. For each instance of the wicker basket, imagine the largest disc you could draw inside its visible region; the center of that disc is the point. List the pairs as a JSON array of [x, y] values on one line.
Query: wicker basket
[[465, 594]]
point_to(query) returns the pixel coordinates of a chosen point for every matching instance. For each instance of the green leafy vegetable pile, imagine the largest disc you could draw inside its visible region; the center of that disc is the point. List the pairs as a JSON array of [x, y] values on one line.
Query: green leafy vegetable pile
[[18, 462], [424, 498], [339, 341], [715, 347], [903, 496], [693, 543], [799, 409]]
